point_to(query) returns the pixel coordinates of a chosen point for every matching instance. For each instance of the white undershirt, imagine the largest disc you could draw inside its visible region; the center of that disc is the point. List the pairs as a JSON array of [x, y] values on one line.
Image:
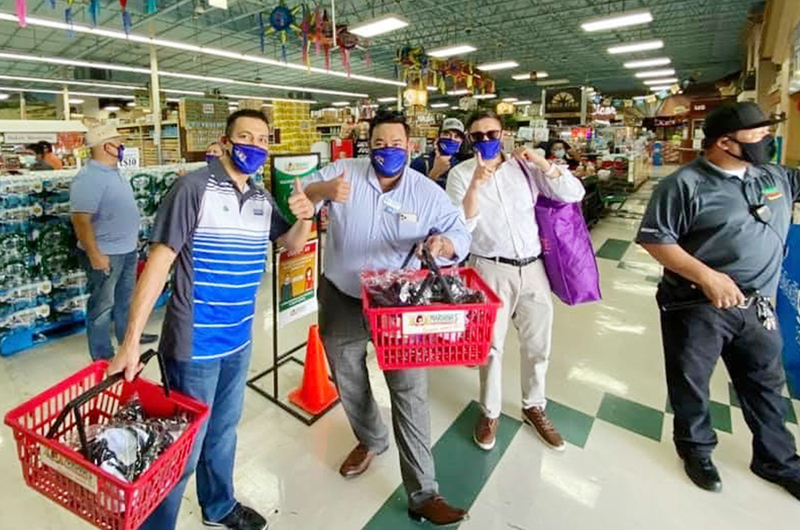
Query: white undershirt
[[735, 172]]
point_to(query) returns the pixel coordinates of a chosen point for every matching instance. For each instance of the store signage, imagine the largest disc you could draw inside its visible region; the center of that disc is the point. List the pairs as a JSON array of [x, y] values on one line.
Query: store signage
[[30, 138], [297, 277], [285, 169], [563, 102], [426, 323], [699, 107], [130, 158]]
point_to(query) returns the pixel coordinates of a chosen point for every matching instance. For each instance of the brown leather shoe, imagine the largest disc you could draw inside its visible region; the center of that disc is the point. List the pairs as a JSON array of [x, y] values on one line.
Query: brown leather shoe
[[436, 511], [485, 433], [357, 461], [536, 418]]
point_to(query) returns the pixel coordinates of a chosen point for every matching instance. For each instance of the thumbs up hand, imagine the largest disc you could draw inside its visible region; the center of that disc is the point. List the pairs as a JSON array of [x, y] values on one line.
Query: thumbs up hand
[[299, 204], [339, 188]]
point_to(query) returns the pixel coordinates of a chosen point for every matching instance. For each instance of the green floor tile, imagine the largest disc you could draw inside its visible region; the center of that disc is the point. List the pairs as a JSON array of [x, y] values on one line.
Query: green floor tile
[[573, 425], [613, 249], [720, 416], [653, 279], [788, 412], [733, 396], [462, 469], [632, 416]]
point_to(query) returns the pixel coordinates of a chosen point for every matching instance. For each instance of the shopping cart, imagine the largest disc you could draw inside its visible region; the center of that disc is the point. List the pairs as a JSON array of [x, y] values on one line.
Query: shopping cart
[[53, 468], [432, 335]]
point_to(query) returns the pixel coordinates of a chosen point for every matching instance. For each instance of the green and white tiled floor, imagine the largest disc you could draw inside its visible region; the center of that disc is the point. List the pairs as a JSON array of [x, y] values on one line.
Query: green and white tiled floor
[[607, 396]]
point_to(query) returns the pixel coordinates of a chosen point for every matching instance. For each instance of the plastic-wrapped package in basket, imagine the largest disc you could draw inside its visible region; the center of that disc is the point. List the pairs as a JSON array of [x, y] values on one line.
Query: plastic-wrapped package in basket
[[408, 288]]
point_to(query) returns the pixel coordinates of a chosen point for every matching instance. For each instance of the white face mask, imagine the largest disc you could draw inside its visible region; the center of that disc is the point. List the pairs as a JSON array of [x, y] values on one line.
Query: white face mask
[[560, 153]]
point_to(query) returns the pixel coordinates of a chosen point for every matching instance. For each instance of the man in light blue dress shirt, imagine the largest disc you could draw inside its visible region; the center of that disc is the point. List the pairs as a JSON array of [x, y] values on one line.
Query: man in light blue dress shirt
[[379, 209]]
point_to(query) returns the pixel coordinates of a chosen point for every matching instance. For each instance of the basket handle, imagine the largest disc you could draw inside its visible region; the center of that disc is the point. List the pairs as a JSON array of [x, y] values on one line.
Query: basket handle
[[75, 405], [435, 274]]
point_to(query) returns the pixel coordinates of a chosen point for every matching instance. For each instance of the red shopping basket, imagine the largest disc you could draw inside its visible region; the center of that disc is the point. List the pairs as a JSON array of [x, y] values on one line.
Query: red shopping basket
[[64, 475], [433, 335]]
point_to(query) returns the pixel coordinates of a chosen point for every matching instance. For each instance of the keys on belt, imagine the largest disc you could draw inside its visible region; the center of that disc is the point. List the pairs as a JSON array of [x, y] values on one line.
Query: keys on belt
[[764, 311]]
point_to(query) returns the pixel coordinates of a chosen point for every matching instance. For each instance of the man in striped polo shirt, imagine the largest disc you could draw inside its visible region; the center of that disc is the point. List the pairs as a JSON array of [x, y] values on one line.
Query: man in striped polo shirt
[[216, 225]]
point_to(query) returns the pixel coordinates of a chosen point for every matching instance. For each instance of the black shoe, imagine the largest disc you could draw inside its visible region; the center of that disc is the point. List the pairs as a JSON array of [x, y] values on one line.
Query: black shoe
[[703, 473], [241, 518], [148, 338], [792, 485]]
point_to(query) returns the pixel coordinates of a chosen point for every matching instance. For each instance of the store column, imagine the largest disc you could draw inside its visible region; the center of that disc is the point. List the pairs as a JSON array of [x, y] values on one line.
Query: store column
[[65, 103], [155, 103]]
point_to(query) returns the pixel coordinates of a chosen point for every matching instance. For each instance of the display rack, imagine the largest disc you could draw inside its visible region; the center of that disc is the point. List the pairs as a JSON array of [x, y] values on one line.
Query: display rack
[[141, 137]]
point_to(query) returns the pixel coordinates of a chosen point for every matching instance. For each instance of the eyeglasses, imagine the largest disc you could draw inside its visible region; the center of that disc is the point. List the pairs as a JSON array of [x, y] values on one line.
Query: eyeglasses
[[481, 136]]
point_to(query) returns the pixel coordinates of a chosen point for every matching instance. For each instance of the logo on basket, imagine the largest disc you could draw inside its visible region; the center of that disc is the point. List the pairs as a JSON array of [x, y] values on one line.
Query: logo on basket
[[67, 468], [426, 323]]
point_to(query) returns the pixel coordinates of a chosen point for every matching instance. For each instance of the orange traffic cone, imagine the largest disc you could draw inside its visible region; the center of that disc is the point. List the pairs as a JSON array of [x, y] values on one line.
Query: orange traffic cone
[[316, 393]]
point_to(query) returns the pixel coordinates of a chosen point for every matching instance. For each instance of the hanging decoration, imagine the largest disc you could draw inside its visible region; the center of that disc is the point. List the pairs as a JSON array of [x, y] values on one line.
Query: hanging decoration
[[306, 26], [152, 7], [322, 35], [22, 13], [52, 4], [282, 23], [420, 70], [69, 16], [262, 33], [94, 11], [347, 43], [127, 24]]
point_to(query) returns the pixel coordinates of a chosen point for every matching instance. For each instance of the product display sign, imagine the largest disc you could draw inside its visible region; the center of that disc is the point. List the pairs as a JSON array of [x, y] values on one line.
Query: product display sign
[[30, 138], [285, 169], [297, 283], [130, 158], [788, 311]]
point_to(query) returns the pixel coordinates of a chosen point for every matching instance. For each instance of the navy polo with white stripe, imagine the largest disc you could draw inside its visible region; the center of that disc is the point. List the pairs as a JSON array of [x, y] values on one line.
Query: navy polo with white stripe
[[222, 237]]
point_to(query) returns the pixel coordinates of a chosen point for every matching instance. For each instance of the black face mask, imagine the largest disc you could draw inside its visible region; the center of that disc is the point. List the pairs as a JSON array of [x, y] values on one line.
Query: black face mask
[[757, 153]]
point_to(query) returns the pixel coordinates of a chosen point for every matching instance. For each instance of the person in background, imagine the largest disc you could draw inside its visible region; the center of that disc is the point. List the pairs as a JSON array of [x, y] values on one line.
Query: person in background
[[718, 226], [379, 210], [39, 163], [214, 150], [560, 152], [497, 199], [105, 217], [436, 165], [50, 157], [217, 227]]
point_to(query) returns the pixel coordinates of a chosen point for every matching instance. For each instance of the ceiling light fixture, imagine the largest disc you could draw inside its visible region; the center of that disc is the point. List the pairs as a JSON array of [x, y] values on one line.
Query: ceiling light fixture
[[269, 98], [510, 100], [455, 107], [75, 101], [551, 82], [432, 88], [340, 103], [623, 20], [130, 104], [141, 39], [66, 82], [500, 65], [47, 91], [655, 73], [439, 105], [631, 47], [4, 96], [484, 96], [378, 26], [449, 51], [386, 100], [660, 88], [523, 102], [111, 108], [530, 75], [459, 92], [667, 81], [647, 63], [639, 98]]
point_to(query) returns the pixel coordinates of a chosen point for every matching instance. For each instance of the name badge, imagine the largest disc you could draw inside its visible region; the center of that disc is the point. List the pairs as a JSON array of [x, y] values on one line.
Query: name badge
[[391, 205], [408, 218]]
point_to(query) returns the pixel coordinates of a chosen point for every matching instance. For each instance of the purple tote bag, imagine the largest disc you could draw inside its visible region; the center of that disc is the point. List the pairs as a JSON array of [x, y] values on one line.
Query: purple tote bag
[[566, 249]]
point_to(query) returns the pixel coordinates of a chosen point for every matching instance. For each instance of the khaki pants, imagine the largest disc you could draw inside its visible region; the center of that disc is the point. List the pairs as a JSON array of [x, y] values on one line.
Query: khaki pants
[[525, 292]]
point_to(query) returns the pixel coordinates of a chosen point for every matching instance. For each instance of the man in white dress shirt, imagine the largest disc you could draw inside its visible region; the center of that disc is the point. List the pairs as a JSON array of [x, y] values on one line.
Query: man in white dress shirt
[[498, 199]]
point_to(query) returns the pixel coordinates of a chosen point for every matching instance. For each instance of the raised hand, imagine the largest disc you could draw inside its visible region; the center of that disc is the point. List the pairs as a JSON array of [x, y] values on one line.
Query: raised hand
[[339, 188], [482, 172], [299, 204]]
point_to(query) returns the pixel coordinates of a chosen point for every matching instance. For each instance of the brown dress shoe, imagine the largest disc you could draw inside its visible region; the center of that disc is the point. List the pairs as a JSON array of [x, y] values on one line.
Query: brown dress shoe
[[357, 461], [536, 418], [436, 511], [485, 433]]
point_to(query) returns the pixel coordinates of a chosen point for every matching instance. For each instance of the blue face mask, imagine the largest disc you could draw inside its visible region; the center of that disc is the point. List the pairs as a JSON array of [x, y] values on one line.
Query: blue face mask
[[388, 161], [448, 146], [210, 158], [120, 152], [489, 149], [248, 158]]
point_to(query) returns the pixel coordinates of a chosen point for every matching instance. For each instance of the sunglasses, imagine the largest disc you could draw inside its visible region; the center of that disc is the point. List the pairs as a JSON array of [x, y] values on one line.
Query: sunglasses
[[481, 136]]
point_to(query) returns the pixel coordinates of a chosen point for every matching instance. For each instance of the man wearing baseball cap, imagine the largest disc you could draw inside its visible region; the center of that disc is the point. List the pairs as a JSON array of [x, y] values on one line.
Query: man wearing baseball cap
[[105, 216], [445, 154], [718, 226]]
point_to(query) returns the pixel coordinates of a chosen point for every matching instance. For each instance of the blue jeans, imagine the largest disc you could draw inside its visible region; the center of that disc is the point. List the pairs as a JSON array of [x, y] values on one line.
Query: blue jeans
[[220, 384], [110, 294]]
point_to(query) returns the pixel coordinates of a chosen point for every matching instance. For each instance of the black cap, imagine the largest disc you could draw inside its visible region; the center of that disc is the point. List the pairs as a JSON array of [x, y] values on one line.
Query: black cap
[[733, 117]]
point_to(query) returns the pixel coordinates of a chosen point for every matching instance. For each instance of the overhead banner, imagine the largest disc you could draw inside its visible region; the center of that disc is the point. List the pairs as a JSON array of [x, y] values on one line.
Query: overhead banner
[[788, 309], [563, 102], [297, 283], [286, 168]]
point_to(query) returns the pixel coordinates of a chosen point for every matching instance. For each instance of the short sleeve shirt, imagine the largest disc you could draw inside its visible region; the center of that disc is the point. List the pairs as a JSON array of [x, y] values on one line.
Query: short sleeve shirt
[[710, 214], [222, 237]]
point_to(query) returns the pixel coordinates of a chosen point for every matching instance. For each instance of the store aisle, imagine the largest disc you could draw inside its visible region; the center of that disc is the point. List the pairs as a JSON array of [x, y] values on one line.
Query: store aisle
[[607, 395]]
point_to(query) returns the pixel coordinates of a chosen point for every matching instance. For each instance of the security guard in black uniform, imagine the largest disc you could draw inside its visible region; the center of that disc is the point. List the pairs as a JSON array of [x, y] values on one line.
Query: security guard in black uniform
[[718, 226]]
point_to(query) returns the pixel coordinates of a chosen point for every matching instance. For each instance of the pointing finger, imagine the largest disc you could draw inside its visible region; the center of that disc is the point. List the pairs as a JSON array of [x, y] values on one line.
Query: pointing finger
[[298, 185], [480, 158]]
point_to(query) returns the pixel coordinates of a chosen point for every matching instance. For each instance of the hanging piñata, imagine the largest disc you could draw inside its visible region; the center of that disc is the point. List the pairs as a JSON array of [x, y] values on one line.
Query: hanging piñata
[[22, 13], [281, 23], [127, 24], [94, 11]]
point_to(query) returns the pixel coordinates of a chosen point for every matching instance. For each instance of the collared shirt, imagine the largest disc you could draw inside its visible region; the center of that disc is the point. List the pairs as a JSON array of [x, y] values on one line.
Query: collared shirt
[[222, 238], [710, 214], [101, 191], [374, 230], [505, 226]]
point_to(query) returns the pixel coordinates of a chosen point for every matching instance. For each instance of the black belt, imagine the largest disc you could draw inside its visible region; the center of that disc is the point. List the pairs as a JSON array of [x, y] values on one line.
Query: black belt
[[513, 262]]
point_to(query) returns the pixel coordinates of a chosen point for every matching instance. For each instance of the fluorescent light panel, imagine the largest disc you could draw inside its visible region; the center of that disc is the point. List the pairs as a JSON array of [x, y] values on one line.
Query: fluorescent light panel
[[4, 96], [551, 82], [666, 81], [46, 91], [623, 20], [523, 102], [529, 75], [66, 82], [141, 39], [660, 88], [75, 101], [655, 73], [459, 92], [439, 105], [386, 100], [379, 26], [500, 65], [340, 103], [631, 47], [484, 96], [510, 100], [648, 63], [449, 51], [432, 88], [261, 98]]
